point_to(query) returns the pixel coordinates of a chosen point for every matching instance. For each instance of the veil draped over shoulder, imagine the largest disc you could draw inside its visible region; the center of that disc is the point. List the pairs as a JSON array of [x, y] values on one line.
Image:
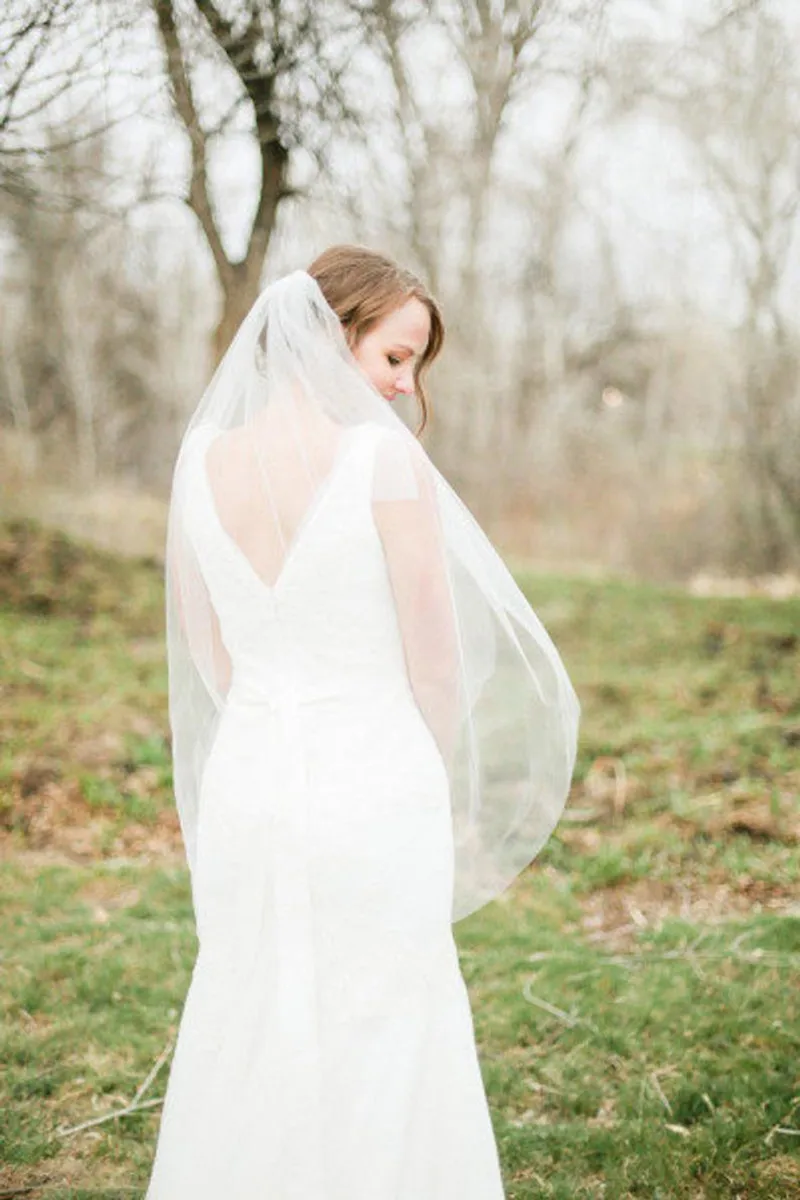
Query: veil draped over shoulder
[[282, 407]]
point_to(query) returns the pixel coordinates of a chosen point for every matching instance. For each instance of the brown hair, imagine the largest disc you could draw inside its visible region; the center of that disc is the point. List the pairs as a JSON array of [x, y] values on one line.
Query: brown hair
[[362, 287]]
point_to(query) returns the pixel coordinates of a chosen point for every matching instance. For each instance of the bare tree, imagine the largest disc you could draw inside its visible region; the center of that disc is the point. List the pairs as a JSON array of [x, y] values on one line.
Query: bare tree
[[56, 58], [27, 88], [287, 64], [744, 132], [280, 65], [492, 50], [498, 62]]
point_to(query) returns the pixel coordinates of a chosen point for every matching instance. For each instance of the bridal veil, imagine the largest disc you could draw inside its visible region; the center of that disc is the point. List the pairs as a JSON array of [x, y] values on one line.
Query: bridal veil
[[286, 398]]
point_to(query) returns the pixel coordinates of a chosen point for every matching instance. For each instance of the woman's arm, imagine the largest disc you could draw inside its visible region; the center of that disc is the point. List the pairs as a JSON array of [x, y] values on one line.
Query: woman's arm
[[407, 517], [197, 616]]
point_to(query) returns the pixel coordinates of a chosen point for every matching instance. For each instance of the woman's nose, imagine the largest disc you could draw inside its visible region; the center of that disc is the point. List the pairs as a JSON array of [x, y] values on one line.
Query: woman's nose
[[405, 383]]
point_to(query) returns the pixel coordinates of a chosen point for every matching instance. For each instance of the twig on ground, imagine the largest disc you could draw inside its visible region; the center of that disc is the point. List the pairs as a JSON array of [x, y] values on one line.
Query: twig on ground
[[136, 1104], [754, 957], [783, 1129], [596, 787], [660, 1092], [547, 1007], [110, 1116], [156, 1067]]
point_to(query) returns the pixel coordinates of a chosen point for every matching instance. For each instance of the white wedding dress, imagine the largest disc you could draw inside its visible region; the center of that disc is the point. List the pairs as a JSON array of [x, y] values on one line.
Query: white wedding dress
[[326, 1050]]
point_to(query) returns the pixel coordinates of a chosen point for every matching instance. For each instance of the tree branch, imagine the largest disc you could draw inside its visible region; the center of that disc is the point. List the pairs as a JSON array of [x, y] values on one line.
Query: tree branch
[[259, 85], [198, 199]]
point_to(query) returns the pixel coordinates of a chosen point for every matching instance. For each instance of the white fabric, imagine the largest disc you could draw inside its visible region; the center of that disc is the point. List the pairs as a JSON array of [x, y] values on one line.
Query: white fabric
[[485, 675], [326, 1051], [372, 735]]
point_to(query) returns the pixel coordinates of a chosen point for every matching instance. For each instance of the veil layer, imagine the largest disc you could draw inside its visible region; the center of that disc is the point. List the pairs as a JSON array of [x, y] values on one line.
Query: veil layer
[[487, 677]]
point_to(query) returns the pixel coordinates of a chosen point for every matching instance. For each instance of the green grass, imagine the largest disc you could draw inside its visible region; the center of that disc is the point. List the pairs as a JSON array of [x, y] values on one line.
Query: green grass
[[635, 994]]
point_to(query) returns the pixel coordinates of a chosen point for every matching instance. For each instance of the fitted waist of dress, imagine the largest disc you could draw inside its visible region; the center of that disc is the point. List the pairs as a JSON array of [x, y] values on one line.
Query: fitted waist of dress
[[299, 693]]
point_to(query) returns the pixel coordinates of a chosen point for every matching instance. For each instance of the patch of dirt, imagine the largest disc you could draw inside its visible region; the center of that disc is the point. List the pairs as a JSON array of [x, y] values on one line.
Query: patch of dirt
[[103, 893], [51, 819], [69, 1170], [614, 916], [760, 820], [47, 572], [725, 813], [782, 1169], [23, 1181], [43, 811], [159, 841], [777, 587], [98, 749]]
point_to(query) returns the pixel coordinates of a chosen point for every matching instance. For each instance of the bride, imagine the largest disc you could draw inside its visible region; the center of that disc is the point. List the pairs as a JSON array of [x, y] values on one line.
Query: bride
[[372, 736]]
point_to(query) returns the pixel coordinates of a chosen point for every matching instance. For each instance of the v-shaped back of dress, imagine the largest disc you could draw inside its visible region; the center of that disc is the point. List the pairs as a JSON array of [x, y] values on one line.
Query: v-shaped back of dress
[[245, 483], [329, 619]]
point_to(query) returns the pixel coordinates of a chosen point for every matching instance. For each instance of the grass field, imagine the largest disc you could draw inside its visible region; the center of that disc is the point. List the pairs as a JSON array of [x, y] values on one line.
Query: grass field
[[635, 993]]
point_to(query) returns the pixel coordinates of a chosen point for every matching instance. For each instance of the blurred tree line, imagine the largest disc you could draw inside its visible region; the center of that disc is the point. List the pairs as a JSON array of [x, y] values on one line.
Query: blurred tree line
[[582, 414]]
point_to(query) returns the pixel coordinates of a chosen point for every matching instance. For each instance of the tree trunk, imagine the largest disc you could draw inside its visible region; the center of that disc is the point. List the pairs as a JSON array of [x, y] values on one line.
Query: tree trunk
[[240, 281]]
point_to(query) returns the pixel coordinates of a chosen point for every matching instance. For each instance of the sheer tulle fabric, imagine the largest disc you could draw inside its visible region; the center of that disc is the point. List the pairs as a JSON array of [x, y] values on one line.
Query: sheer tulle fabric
[[279, 424]]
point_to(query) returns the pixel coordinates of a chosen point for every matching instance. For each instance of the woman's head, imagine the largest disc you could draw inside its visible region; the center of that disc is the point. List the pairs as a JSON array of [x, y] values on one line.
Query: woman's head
[[392, 323]]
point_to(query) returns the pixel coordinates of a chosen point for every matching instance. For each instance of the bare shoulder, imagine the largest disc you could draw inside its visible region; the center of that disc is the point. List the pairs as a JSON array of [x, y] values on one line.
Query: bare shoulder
[[402, 471]]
